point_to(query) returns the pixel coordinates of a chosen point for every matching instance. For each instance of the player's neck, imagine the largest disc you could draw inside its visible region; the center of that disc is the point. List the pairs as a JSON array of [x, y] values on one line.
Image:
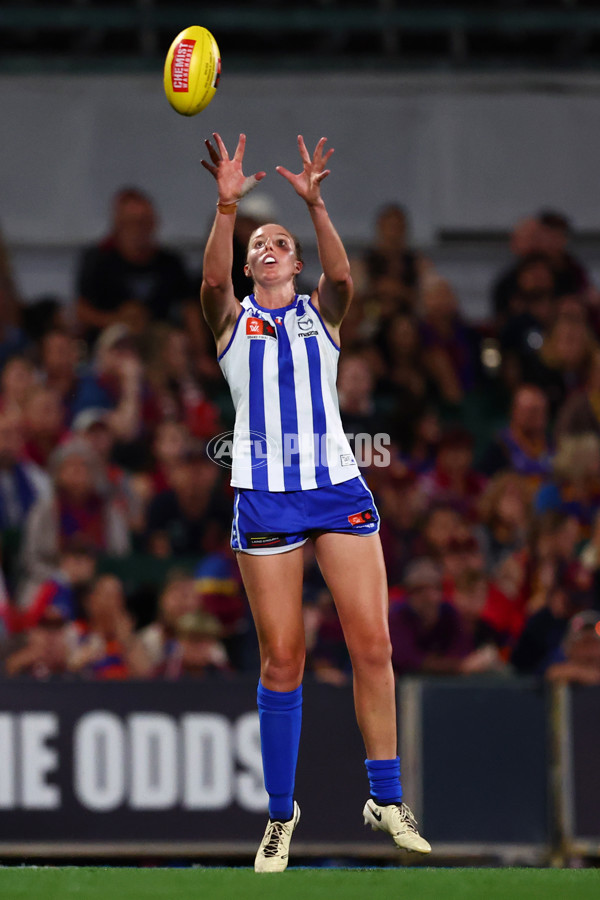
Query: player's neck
[[274, 296]]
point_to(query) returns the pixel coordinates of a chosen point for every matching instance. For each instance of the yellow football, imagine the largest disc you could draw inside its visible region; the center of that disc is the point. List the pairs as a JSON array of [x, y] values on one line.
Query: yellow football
[[192, 70]]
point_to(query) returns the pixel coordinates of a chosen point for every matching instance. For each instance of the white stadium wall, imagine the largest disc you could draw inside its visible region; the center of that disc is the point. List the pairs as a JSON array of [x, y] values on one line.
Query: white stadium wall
[[461, 152]]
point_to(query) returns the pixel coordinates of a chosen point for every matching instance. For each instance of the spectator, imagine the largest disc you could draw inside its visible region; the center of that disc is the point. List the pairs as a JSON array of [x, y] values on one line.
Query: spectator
[[523, 445], [462, 554], [12, 339], [492, 620], [453, 480], [505, 510], [156, 643], [22, 482], [191, 517], [589, 554], [59, 360], [178, 387], [545, 630], [119, 385], [529, 576], [171, 442], [47, 649], [555, 235], [329, 658], [356, 384], [10, 300], [401, 507], [220, 593], [534, 294], [449, 343], [128, 491], [428, 634], [574, 489], [64, 591], [406, 385], [532, 311], [419, 447], [78, 507], [439, 526], [105, 648], [16, 382], [525, 240], [43, 314], [580, 413], [198, 651], [578, 660], [129, 277], [563, 362], [390, 269], [43, 424]]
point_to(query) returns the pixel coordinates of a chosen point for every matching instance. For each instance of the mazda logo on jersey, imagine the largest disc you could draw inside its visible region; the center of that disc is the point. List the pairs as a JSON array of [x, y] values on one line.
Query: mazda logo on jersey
[[305, 323]]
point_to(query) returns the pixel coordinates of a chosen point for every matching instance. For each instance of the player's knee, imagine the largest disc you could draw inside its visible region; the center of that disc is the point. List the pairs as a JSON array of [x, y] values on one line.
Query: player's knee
[[372, 652], [283, 665]]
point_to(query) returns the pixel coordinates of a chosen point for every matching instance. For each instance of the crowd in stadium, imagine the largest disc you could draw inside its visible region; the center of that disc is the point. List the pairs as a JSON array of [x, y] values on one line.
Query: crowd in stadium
[[115, 522]]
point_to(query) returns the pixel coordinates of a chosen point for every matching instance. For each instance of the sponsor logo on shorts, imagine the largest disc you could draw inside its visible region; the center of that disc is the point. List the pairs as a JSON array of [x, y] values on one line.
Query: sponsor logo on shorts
[[180, 65], [264, 540], [366, 517], [259, 328]]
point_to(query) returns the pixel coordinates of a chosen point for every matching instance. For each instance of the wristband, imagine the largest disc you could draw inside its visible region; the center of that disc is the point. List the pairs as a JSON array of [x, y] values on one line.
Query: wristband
[[228, 209]]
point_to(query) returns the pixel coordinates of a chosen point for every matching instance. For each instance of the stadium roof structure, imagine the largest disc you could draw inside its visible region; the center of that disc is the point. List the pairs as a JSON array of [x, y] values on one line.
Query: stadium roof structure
[[83, 35]]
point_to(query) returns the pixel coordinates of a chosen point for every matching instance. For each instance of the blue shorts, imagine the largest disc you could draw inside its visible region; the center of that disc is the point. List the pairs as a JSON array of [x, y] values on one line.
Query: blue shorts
[[267, 522]]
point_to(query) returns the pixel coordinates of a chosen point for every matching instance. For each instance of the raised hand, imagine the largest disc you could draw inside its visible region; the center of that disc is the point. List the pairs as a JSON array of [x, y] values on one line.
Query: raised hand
[[228, 173], [307, 183]]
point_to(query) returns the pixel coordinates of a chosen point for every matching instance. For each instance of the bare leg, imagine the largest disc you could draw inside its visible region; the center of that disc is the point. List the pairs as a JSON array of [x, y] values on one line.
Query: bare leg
[[354, 570], [274, 587]]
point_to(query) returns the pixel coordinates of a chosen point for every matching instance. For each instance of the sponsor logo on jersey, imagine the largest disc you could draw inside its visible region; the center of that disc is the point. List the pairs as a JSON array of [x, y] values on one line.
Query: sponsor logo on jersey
[[264, 540], [180, 66], [259, 328], [365, 517], [346, 459], [305, 324]]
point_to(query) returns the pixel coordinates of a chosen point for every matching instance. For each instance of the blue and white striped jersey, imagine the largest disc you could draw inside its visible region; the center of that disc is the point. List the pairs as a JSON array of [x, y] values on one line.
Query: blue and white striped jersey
[[281, 367]]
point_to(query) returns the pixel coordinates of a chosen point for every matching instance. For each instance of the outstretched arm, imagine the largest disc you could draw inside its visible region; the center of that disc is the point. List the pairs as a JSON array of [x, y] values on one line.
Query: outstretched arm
[[335, 284], [219, 304]]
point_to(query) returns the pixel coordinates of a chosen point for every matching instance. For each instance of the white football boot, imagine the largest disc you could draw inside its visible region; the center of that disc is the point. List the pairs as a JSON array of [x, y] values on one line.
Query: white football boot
[[398, 821], [274, 849]]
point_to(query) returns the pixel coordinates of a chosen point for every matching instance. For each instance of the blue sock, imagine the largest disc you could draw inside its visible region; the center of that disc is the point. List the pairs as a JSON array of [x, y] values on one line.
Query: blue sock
[[280, 715], [384, 779]]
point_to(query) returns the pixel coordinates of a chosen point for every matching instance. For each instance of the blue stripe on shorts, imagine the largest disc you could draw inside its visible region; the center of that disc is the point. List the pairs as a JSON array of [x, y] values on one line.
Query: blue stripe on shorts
[[273, 521]]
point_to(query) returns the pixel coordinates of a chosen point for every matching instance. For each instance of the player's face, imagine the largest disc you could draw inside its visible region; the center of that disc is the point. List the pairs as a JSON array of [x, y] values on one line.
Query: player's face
[[271, 255]]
